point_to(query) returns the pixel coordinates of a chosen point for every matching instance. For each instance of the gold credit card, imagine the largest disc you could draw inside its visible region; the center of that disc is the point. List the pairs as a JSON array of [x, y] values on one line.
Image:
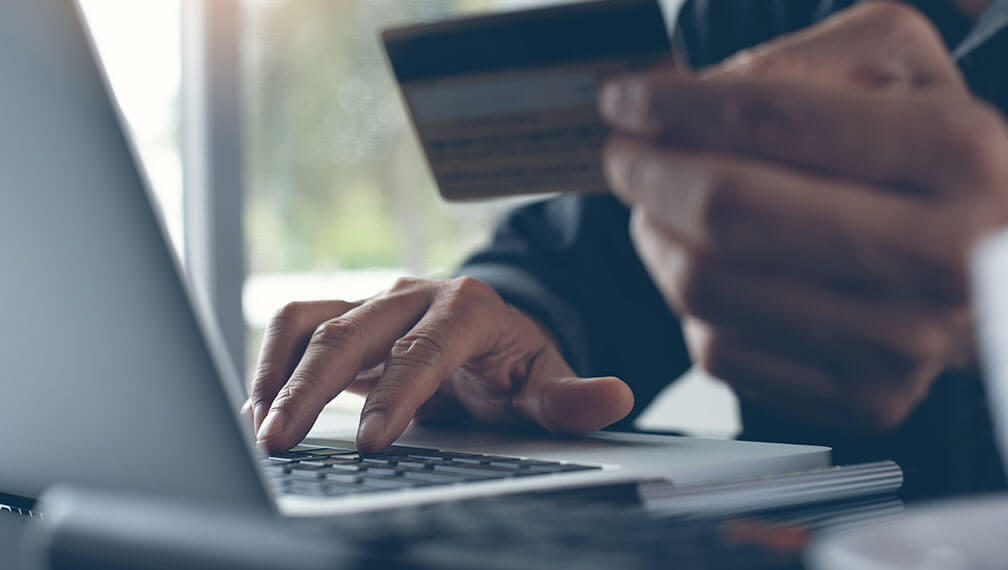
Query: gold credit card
[[506, 104]]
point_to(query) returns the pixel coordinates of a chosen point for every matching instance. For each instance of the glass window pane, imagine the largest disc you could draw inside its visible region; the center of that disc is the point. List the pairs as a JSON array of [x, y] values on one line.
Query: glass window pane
[[139, 45], [340, 201]]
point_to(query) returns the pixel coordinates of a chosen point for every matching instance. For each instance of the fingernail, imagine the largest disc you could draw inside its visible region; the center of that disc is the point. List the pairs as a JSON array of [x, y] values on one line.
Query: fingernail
[[371, 430], [612, 98], [261, 410], [272, 426], [622, 99], [246, 408]]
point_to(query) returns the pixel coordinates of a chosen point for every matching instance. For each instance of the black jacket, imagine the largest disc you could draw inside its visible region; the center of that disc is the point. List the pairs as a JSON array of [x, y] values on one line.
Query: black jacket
[[569, 262]]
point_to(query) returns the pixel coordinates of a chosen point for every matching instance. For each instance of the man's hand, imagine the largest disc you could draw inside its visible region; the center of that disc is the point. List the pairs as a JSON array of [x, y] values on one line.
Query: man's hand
[[421, 348], [808, 207]]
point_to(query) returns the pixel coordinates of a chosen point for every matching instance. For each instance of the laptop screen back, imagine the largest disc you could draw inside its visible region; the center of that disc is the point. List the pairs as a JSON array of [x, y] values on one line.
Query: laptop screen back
[[107, 380]]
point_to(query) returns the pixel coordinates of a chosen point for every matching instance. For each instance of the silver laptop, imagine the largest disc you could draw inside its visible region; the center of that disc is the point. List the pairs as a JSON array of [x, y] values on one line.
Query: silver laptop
[[111, 378]]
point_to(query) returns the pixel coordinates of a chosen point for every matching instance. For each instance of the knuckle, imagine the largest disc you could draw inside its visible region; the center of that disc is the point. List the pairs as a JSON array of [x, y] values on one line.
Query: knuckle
[[752, 60], [897, 17], [470, 289], [403, 284], [289, 314], [418, 348], [337, 333]]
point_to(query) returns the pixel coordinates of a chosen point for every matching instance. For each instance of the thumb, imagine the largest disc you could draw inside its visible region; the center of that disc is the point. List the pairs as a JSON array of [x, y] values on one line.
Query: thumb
[[576, 405]]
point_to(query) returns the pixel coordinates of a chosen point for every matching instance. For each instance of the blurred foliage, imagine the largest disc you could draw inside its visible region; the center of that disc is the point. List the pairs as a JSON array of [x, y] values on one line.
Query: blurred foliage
[[336, 177]]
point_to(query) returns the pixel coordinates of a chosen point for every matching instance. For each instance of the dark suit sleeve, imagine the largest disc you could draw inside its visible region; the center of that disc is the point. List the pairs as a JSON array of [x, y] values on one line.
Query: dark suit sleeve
[[711, 30], [570, 264]]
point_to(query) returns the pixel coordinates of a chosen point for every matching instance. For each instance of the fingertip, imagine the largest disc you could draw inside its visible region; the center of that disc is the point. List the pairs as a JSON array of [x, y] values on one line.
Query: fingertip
[[271, 433], [619, 394], [584, 405], [371, 433], [259, 413]]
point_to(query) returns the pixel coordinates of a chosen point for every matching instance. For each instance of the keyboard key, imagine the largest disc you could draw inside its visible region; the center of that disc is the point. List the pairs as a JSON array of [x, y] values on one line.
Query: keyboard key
[[428, 458], [309, 488], [290, 455], [387, 483], [471, 460], [343, 461], [342, 468], [276, 471], [381, 471], [413, 464], [333, 452], [304, 467], [429, 477], [298, 471], [314, 462], [340, 489], [454, 467], [343, 477], [406, 450]]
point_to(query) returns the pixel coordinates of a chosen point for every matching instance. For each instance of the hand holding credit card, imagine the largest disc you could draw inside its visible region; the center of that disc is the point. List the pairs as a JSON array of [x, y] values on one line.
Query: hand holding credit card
[[506, 104]]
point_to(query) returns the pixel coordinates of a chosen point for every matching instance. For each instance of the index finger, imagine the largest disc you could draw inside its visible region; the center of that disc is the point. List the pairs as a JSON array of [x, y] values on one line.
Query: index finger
[[338, 350], [284, 340]]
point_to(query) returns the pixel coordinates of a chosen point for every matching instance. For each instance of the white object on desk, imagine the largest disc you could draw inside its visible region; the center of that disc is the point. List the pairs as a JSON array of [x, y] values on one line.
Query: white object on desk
[[952, 535], [989, 280]]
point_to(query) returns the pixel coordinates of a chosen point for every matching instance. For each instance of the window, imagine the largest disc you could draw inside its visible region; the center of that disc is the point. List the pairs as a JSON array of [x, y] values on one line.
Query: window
[[339, 199], [139, 45]]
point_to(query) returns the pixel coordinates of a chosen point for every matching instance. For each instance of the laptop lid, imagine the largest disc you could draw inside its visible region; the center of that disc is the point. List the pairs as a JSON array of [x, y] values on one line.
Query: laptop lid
[[107, 376]]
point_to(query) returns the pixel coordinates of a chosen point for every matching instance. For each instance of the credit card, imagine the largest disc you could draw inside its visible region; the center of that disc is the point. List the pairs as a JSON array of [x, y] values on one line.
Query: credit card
[[506, 104]]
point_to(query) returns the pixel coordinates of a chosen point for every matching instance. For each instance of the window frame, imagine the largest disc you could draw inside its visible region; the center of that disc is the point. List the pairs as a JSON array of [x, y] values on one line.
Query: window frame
[[212, 149]]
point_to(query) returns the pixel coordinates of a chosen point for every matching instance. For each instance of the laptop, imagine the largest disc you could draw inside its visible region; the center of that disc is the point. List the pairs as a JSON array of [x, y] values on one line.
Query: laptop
[[114, 380]]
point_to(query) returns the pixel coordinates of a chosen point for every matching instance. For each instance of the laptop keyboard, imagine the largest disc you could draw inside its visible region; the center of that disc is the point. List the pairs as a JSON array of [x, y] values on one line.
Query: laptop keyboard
[[334, 471]]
